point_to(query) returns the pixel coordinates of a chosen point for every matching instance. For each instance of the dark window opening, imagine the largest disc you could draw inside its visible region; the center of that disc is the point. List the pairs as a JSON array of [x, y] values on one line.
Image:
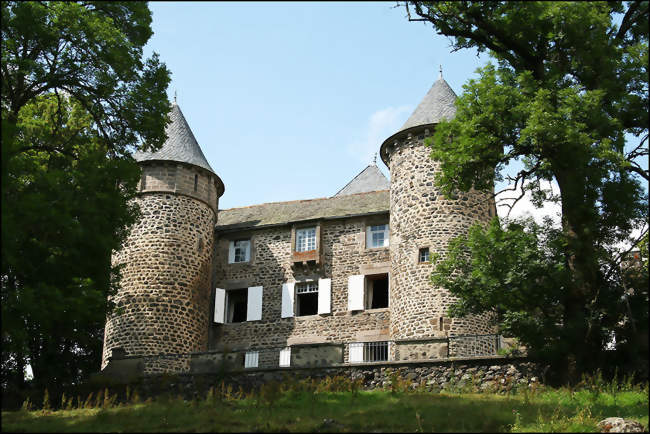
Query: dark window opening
[[196, 182], [237, 305], [377, 291], [306, 299], [143, 182], [423, 255]]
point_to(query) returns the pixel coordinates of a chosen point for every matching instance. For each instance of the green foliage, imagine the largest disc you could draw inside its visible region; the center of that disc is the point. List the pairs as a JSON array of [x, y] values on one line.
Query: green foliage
[[77, 98], [568, 84]]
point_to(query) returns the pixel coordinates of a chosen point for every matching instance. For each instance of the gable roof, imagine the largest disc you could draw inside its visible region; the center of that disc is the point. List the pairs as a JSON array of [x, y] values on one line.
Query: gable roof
[[436, 105], [369, 179], [281, 213], [181, 145]]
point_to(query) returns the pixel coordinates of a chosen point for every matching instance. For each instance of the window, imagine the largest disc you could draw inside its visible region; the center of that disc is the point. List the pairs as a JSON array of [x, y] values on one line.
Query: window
[[237, 305], [307, 298], [376, 236], [196, 182], [423, 255], [285, 357], [251, 359], [368, 352], [305, 239], [239, 251], [376, 291]]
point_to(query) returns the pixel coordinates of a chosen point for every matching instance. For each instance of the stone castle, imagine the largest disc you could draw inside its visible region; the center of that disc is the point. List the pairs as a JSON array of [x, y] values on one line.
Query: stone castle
[[320, 282]]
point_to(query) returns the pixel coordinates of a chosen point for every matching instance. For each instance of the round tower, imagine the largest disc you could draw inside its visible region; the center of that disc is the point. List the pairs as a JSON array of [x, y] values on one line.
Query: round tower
[[163, 301], [422, 221]]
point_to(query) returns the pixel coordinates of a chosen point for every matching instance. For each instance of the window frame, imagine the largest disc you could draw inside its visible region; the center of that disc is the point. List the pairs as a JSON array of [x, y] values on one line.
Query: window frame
[[428, 254], [297, 286], [307, 243], [370, 232], [227, 311]]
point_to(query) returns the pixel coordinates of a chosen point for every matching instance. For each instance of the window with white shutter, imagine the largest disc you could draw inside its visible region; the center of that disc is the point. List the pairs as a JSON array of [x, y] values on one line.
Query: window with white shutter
[[254, 311], [355, 292], [219, 305], [287, 299], [324, 296], [285, 357]]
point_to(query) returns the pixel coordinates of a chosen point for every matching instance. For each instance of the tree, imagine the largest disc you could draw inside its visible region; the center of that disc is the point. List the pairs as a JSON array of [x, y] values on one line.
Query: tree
[[77, 98], [569, 83]]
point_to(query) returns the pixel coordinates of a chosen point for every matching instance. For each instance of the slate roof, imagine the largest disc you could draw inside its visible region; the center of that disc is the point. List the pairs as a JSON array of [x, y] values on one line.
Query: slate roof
[[279, 213], [180, 144], [436, 105], [369, 179]]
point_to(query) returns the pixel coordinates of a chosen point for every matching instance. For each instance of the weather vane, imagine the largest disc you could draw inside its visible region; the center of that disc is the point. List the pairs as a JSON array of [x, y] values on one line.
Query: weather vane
[[374, 159], [440, 71], [174, 96]]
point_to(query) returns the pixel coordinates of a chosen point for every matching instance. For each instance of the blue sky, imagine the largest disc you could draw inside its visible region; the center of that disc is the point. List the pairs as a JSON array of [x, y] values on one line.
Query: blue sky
[[291, 100]]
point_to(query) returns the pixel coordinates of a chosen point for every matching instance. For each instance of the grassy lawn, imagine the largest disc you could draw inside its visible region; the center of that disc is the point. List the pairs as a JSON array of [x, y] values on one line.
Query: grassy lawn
[[549, 410]]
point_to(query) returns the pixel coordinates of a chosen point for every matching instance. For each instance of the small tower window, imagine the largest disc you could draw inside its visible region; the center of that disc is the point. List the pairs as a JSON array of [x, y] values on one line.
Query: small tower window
[[424, 256], [196, 182]]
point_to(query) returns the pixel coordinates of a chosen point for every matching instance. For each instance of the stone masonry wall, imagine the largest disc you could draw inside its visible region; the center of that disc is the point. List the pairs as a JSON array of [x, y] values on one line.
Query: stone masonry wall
[[344, 254], [164, 300], [487, 374], [420, 216]]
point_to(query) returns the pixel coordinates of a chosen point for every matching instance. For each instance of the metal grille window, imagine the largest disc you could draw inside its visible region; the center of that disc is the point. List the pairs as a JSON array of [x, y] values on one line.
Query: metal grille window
[[424, 254], [242, 249], [368, 352], [251, 359], [305, 239], [377, 236]]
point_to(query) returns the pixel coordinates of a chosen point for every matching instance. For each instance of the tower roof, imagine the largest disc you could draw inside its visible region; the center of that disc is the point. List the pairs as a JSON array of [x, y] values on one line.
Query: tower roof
[[180, 145], [436, 105], [369, 179]]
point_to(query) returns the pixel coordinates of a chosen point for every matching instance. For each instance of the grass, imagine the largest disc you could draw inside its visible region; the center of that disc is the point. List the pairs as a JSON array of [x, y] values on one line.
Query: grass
[[307, 409]]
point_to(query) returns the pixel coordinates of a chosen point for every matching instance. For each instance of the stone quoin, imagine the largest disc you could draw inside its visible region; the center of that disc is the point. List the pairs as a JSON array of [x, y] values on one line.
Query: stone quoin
[[307, 283]]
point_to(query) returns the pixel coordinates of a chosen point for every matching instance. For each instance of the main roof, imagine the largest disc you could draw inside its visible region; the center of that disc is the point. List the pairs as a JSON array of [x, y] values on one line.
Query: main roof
[[280, 213], [369, 179], [180, 145]]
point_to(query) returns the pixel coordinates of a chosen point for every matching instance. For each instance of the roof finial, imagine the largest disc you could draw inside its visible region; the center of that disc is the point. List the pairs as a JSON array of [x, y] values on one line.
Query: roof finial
[[440, 72], [374, 159], [174, 96]]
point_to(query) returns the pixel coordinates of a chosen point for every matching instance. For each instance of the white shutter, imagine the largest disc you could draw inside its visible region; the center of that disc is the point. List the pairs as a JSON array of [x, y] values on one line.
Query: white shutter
[[231, 252], [219, 305], [355, 292], [251, 359], [386, 235], [324, 295], [355, 352], [287, 299], [254, 308], [285, 357]]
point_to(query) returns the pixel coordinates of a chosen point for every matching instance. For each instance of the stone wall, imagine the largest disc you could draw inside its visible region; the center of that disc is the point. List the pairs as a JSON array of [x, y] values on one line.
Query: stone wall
[[487, 374], [344, 254], [421, 217], [164, 299]]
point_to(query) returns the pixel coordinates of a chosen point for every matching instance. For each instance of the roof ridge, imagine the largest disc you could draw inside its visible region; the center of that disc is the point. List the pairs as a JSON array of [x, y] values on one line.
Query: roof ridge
[[302, 200]]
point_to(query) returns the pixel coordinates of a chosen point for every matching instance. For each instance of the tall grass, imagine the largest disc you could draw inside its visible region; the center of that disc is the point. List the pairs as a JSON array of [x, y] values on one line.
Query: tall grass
[[338, 404]]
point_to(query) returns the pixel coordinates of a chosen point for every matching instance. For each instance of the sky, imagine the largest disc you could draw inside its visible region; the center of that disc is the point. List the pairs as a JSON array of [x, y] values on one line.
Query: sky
[[292, 100]]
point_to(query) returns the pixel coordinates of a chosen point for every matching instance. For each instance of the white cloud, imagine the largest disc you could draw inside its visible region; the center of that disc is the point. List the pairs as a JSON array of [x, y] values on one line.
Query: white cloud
[[381, 125], [525, 208]]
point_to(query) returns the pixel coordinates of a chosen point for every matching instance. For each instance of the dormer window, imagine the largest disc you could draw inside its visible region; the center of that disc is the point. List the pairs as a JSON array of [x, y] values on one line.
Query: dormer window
[[305, 239], [239, 251]]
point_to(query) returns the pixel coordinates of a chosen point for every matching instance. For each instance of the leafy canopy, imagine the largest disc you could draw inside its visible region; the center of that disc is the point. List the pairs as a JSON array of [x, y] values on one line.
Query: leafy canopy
[[77, 98], [570, 81]]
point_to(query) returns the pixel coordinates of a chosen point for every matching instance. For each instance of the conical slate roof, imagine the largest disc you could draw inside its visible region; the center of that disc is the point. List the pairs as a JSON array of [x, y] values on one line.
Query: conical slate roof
[[436, 105], [370, 179], [180, 144]]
